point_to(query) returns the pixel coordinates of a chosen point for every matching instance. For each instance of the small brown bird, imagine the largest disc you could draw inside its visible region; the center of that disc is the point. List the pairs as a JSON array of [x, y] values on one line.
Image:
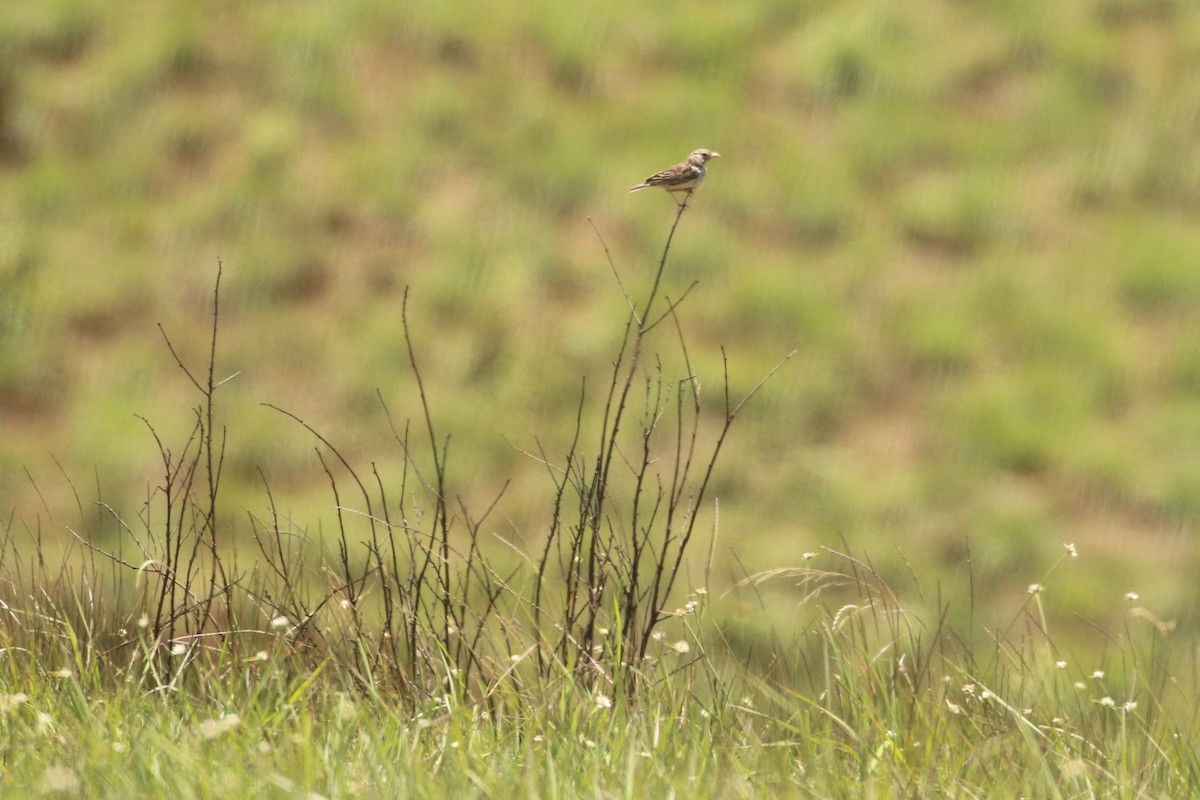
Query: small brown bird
[[685, 176]]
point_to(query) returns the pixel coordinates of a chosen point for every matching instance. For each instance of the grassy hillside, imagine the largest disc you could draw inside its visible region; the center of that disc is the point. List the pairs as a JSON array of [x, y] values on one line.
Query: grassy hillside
[[976, 223]]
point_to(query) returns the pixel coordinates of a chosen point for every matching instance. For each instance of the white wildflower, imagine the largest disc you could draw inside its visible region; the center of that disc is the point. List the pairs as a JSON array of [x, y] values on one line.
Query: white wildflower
[[282, 782], [58, 779], [10, 702], [212, 728], [346, 708]]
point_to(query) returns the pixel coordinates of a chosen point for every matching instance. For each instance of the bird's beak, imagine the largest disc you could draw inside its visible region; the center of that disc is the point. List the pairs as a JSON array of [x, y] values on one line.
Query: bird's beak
[[715, 155]]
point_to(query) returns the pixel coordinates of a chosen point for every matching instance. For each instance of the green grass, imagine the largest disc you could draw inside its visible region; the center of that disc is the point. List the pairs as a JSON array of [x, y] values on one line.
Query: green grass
[[862, 698], [975, 225]]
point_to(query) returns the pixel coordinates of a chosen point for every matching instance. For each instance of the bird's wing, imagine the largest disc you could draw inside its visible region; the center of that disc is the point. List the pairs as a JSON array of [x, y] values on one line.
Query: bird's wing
[[680, 173]]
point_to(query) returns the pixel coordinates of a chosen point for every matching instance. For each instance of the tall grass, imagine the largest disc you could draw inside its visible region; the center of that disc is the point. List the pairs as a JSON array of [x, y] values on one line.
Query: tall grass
[[415, 592]]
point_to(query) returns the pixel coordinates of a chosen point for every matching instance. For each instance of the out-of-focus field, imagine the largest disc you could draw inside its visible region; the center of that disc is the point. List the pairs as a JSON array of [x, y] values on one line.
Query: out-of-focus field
[[977, 223]]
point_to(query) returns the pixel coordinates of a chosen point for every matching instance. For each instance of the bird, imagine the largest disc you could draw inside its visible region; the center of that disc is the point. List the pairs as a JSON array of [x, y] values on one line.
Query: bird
[[686, 176]]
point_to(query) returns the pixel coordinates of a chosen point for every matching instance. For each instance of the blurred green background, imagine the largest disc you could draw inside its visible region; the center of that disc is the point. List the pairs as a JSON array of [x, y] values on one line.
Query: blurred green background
[[977, 223]]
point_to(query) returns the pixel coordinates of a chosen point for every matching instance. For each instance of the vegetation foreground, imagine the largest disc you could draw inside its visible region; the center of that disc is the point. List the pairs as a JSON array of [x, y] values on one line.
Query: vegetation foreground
[[866, 703], [282, 726], [407, 654]]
